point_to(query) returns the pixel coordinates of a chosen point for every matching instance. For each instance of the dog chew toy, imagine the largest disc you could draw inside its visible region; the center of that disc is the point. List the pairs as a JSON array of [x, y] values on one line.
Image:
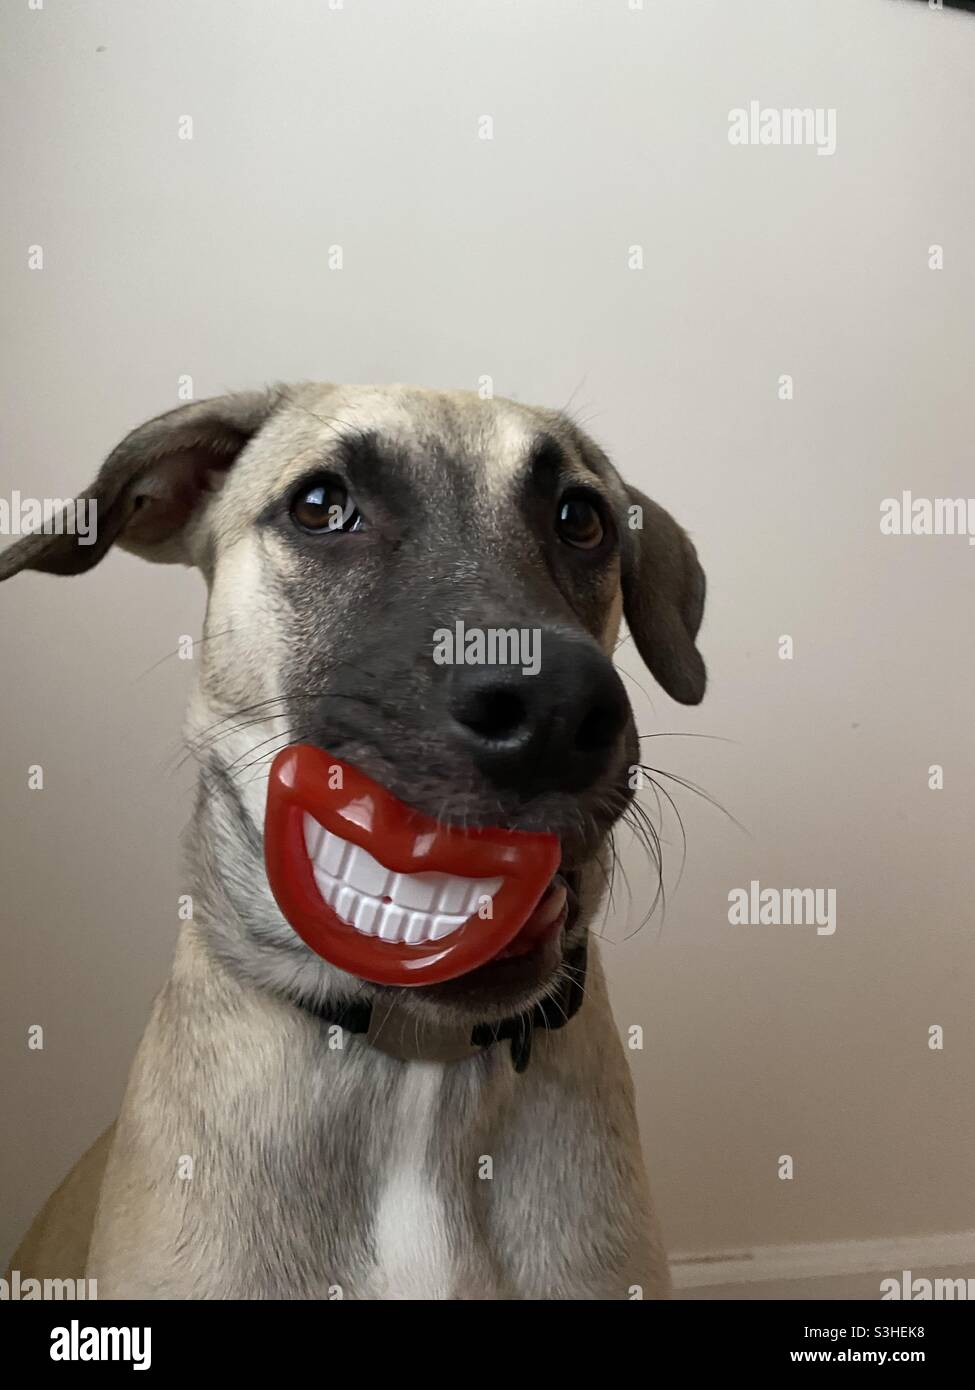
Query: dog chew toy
[[387, 893]]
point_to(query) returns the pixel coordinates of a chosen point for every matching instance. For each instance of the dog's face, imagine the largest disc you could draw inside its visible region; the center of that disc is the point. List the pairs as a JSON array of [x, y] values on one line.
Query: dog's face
[[426, 584]]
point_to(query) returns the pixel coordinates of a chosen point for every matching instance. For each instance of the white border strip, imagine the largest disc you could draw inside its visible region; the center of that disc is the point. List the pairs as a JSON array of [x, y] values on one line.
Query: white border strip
[[778, 1262]]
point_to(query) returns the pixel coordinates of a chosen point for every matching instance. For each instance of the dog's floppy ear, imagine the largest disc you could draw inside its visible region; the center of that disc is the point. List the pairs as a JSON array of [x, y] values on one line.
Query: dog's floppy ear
[[149, 487], [663, 598]]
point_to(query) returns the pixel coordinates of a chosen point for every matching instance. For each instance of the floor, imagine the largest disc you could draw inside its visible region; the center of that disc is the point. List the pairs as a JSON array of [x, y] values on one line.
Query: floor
[[855, 1287]]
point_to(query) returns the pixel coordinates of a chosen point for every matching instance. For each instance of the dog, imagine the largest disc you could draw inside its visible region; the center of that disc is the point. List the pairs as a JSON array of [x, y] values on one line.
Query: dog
[[291, 1131]]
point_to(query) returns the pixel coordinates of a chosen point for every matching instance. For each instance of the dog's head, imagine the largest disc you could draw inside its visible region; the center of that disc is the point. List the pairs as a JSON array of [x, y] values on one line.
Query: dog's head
[[361, 546]]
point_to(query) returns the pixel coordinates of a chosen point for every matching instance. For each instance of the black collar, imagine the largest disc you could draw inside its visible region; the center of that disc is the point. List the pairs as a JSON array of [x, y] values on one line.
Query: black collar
[[552, 1012]]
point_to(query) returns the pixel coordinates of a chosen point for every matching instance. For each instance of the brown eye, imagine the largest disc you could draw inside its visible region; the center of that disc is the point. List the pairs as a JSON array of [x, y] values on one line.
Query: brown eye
[[580, 522], [325, 505]]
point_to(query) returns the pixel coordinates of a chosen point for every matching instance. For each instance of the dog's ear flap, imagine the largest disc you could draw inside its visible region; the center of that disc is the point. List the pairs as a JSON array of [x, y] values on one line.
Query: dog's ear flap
[[663, 598], [148, 488]]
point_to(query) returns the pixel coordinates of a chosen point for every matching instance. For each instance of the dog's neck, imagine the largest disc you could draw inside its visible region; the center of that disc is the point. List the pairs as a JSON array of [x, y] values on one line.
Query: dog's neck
[[400, 1036]]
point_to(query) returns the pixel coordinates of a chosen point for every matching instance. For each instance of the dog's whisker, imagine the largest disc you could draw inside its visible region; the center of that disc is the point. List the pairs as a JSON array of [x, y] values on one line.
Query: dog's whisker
[[204, 746], [697, 790], [292, 696], [197, 642], [238, 713], [642, 689], [263, 762], [386, 1018], [686, 733], [638, 818], [336, 695], [551, 999], [233, 771]]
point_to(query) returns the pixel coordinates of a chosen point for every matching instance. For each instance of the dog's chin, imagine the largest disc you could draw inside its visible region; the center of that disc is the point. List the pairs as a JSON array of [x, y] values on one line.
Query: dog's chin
[[520, 977]]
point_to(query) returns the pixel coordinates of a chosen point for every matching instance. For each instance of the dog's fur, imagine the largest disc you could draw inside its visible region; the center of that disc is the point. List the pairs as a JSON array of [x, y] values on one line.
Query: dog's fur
[[320, 1170]]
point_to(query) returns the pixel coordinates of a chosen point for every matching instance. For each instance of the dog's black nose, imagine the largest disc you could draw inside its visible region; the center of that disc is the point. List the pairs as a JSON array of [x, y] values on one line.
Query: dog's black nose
[[555, 730]]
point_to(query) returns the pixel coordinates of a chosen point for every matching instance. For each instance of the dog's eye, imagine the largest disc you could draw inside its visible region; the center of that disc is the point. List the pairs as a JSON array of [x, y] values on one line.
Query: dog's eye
[[580, 521], [325, 505]]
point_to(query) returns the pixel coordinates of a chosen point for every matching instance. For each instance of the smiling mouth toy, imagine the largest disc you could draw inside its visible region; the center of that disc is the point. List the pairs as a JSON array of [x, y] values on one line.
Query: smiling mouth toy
[[387, 893]]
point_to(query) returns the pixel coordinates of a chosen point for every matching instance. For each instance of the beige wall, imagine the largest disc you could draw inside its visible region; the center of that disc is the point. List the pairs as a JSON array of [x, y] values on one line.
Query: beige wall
[[465, 257]]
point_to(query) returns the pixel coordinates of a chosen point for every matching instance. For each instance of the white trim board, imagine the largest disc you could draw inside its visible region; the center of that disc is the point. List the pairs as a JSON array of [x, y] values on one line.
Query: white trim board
[[766, 1263]]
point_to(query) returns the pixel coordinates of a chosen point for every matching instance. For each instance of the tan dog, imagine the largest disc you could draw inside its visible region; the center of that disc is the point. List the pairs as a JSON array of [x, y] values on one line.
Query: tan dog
[[288, 1130]]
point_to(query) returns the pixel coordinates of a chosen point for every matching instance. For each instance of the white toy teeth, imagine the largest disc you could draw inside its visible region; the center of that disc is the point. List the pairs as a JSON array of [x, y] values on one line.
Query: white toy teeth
[[377, 901]]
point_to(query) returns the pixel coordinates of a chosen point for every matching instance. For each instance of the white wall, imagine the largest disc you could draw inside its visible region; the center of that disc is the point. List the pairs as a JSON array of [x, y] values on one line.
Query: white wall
[[462, 257]]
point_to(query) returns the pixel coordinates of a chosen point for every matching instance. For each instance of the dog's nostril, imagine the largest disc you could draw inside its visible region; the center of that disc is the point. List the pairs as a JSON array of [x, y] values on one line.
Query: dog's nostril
[[494, 713], [598, 728]]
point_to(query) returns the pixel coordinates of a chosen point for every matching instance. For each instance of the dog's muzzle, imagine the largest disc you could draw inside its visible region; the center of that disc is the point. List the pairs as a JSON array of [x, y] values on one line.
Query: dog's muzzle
[[387, 893]]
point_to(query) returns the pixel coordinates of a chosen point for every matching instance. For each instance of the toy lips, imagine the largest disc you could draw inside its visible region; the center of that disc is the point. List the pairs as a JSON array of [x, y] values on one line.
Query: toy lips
[[389, 894]]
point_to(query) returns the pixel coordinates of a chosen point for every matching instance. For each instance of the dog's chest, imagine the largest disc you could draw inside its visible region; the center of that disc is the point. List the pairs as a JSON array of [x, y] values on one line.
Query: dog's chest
[[414, 1258], [425, 1227]]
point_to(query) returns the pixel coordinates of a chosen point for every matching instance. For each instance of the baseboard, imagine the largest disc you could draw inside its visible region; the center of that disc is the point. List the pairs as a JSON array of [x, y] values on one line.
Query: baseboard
[[767, 1263]]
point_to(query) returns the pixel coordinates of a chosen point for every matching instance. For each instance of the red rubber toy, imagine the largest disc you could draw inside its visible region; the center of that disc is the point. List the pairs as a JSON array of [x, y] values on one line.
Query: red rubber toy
[[382, 890]]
